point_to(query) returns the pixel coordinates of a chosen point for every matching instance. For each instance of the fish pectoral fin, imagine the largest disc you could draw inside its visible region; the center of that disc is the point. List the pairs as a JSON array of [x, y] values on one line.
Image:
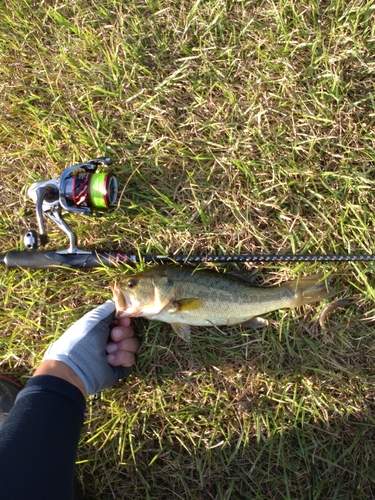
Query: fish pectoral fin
[[183, 331], [255, 322], [186, 304]]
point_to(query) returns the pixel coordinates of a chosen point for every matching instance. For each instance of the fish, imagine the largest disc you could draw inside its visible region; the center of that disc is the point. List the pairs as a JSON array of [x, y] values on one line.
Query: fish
[[183, 297]]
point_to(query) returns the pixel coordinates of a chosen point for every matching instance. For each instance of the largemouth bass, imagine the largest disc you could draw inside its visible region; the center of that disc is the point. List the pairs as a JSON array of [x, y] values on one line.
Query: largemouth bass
[[185, 297]]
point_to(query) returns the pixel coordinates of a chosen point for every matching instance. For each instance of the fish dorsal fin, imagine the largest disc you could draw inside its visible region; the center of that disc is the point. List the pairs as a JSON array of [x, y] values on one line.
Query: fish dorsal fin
[[183, 331], [245, 276]]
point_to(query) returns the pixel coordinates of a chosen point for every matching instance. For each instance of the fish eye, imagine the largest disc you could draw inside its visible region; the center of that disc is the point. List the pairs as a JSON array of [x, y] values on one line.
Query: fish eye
[[132, 282]]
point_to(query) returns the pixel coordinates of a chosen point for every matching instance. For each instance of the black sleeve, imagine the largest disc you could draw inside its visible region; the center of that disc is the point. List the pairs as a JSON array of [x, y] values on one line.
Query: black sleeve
[[39, 441]]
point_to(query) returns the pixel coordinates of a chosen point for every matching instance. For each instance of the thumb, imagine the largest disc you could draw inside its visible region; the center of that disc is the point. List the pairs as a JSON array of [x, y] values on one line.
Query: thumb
[[105, 312]]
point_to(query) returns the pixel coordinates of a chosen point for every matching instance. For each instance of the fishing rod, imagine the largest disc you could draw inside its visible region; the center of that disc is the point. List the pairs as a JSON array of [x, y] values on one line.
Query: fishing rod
[[86, 260], [81, 189]]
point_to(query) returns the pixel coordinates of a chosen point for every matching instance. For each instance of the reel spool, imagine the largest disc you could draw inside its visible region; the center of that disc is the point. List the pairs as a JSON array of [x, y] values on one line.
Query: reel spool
[[80, 189]]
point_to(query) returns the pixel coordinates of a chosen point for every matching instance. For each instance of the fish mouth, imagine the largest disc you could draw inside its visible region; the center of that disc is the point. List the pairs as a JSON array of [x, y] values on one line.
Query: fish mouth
[[122, 302]]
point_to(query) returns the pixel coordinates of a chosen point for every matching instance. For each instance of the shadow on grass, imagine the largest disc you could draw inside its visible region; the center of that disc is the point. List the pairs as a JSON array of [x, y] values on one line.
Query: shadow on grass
[[272, 415], [316, 462]]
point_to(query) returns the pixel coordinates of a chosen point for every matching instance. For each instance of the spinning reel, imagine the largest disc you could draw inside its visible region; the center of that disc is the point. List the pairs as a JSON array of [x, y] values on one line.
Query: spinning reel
[[80, 189]]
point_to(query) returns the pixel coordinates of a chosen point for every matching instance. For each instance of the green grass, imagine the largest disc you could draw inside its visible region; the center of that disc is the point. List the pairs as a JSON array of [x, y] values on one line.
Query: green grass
[[237, 126]]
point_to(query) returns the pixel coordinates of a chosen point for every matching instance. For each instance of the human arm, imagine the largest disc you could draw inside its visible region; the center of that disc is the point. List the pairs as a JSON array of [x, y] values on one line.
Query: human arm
[[39, 440]]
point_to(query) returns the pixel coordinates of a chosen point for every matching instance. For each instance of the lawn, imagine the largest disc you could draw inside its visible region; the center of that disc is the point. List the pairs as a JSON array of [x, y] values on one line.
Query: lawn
[[234, 127]]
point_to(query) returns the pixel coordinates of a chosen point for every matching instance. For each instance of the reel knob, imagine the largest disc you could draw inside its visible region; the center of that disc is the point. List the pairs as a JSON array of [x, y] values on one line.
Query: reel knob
[[33, 240]]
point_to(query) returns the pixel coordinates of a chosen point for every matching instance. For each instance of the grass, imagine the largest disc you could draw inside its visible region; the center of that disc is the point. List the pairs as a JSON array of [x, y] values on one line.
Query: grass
[[236, 126]]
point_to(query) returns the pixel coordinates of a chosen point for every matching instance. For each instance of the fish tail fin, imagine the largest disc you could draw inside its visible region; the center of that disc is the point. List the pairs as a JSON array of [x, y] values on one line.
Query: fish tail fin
[[310, 289]]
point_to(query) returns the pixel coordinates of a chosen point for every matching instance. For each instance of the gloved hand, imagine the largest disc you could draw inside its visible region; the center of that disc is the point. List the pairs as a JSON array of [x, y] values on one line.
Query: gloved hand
[[83, 348]]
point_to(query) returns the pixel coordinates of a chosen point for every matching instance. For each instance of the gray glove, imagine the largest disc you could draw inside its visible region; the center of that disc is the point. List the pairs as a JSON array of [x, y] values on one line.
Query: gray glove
[[83, 348]]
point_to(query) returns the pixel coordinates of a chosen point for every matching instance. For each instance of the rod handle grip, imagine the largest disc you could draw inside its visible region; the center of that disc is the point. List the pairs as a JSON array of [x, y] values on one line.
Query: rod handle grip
[[53, 260]]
